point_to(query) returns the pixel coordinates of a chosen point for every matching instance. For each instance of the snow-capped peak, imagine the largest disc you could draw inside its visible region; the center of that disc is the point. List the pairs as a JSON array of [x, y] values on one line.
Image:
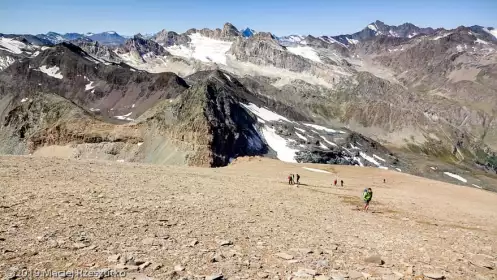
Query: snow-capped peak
[[90, 34], [110, 32]]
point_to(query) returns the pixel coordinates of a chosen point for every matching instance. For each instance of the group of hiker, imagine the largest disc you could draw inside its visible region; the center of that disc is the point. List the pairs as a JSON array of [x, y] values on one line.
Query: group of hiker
[[335, 183], [294, 179], [367, 194]]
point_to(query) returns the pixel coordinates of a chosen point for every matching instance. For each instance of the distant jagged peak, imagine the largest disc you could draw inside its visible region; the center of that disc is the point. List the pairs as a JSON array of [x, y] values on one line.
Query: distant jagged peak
[[248, 32], [142, 46]]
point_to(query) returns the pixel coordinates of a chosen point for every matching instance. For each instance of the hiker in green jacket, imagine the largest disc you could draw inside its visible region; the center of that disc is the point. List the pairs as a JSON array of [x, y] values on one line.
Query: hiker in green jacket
[[367, 195]]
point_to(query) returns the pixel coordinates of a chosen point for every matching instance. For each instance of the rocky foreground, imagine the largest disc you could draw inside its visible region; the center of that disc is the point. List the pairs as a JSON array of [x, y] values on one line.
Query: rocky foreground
[[137, 221]]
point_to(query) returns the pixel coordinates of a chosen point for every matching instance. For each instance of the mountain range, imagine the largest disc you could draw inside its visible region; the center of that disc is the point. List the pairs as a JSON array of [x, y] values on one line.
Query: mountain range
[[405, 98]]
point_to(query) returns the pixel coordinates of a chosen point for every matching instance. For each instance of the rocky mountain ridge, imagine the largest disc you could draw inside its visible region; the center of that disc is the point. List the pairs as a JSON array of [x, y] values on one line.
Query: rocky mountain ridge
[[213, 108], [110, 38]]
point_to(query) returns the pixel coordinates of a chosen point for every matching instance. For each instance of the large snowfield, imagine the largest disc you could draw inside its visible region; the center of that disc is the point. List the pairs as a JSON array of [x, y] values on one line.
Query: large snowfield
[[203, 48], [11, 45]]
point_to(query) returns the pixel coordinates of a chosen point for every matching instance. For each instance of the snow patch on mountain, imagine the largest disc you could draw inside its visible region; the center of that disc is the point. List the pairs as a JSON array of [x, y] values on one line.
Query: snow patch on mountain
[[263, 113], [89, 86], [318, 127], [124, 117], [316, 170], [5, 61], [378, 158], [331, 40], [352, 41], [359, 161], [455, 176], [51, 71], [301, 130], [480, 41], [370, 159], [306, 52], [442, 36], [393, 34], [292, 39], [279, 145], [329, 142], [301, 136], [228, 77], [372, 27]]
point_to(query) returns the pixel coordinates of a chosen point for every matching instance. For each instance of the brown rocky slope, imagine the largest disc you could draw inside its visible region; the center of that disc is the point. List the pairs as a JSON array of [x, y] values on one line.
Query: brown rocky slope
[[240, 222]]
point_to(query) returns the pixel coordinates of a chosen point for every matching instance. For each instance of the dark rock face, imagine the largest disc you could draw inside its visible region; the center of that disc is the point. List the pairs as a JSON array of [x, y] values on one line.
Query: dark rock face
[[367, 144], [233, 129], [333, 156]]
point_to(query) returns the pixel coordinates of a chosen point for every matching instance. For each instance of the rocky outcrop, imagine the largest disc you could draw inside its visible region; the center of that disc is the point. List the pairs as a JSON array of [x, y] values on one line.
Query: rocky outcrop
[[98, 50], [228, 33], [208, 116], [171, 38], [333, 156], [263, 49], [142, 47]]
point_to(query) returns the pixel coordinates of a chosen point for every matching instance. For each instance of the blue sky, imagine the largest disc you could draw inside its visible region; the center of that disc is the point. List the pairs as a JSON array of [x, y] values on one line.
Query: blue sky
[[282, 17]]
